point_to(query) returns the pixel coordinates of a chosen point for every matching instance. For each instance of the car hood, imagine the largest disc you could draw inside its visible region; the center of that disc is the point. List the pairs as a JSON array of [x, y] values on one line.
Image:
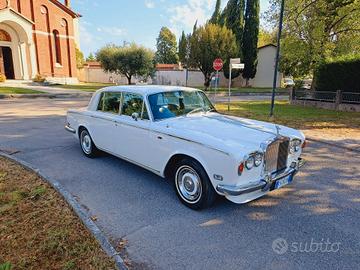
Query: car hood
[[233, 135]]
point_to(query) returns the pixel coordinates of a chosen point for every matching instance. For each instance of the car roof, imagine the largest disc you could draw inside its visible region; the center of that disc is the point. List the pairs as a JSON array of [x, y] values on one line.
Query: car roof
[[146, 89]]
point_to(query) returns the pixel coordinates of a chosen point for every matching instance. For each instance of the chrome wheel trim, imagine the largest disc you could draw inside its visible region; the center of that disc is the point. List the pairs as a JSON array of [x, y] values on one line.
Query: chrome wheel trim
[[188, 184], [85, 142]]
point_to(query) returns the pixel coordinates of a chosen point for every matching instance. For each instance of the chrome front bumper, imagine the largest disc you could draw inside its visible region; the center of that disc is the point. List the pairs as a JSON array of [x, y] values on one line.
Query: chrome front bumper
[[70, 129], [263, 185]]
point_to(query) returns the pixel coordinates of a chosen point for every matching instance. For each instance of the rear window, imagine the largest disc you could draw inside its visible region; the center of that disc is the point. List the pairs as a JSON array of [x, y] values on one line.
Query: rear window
[[109, 102]]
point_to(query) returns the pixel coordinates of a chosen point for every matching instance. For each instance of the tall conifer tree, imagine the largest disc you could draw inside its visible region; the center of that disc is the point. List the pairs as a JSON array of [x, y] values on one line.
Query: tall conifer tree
[[215, 18], [250, 39]]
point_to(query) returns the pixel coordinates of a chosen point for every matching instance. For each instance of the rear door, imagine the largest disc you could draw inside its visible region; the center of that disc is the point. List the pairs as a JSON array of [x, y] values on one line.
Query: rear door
[[103, 123]]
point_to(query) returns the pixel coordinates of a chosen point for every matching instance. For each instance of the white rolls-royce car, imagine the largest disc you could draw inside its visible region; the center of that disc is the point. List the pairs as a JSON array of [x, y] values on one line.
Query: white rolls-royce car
[[177, 133]]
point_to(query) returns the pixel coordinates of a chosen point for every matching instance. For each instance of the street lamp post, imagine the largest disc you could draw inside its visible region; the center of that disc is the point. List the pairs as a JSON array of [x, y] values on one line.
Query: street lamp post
[[277, 57]]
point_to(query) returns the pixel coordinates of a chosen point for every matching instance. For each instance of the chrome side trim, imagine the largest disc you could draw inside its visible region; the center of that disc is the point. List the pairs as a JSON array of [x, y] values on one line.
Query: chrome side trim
[[263, 185], [70, 129]]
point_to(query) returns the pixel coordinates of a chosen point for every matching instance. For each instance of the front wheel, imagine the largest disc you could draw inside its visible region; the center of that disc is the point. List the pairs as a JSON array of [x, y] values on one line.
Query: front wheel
[[192, 185], [87, 145]]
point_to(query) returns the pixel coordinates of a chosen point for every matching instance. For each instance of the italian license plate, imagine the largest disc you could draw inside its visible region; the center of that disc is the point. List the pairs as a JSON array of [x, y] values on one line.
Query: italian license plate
[[283, 182]]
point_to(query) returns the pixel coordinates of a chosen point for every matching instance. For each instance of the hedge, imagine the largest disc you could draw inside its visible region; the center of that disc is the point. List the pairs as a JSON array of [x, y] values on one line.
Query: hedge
[[339, 74]]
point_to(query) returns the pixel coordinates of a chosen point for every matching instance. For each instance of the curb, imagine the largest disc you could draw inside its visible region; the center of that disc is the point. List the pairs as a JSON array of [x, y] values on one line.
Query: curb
[[333, 144], [79, 210], [33, 96]]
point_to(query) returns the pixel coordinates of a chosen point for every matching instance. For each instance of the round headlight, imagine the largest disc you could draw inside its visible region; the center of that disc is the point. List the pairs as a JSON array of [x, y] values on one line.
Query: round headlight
[[258, 159], [249, 163]]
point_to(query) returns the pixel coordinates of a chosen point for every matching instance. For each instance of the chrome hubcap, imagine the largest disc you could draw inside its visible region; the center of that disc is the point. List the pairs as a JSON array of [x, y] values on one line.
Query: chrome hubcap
[[86, 142], [188, 184]]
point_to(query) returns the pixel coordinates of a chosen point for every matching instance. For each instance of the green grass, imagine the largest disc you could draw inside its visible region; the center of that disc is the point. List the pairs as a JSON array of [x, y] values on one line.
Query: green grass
[[249, 90], [38, 229], [87, 87], [17, 90], [291, 115]]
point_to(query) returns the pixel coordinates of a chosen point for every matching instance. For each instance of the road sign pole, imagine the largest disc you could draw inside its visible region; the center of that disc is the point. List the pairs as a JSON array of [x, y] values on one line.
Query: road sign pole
[[216, 85], [229, 87]]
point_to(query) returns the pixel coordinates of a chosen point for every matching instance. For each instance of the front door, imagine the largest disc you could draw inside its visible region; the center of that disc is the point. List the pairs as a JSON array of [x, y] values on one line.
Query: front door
[[8, 62], [133, 129]]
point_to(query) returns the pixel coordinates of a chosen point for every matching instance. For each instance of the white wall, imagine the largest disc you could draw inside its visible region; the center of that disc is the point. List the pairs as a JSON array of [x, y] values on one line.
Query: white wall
[[98, 75], [263, 78], [265, 69]]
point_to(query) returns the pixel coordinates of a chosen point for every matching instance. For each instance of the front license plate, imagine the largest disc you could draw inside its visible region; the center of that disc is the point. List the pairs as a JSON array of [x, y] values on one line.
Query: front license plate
[[283, 182]]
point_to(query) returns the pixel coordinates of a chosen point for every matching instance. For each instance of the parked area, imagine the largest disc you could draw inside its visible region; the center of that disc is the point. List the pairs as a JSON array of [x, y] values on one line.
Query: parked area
[[137, 208], [38, 230]]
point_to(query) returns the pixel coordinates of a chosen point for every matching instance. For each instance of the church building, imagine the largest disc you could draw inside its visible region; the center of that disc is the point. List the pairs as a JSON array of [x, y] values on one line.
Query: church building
[[38, 37]]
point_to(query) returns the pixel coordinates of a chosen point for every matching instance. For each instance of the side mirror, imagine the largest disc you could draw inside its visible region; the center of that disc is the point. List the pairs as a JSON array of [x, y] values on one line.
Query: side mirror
[[135, 116]]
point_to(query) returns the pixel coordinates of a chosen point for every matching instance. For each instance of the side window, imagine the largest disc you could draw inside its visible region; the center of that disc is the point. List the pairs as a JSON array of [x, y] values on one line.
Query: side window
[[134, 103], [110, 102], [101, 102], [145, 115]]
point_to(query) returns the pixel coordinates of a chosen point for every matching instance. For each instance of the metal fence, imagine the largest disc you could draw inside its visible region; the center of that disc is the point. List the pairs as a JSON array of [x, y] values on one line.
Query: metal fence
[[327, 96]]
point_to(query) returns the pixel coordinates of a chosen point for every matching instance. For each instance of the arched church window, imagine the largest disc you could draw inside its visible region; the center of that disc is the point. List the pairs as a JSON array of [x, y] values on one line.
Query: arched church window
[[57, 46]]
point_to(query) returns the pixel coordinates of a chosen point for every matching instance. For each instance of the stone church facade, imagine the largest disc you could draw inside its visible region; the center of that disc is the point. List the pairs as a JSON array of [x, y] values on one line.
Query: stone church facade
[[38, 37]]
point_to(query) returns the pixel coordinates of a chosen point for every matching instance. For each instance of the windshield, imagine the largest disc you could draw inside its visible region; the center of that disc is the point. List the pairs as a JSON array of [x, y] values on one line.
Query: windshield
[[178, 103]]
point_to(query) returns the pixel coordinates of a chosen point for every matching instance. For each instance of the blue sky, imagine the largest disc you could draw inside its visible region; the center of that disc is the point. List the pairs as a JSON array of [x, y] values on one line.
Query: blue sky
[[116, 21]]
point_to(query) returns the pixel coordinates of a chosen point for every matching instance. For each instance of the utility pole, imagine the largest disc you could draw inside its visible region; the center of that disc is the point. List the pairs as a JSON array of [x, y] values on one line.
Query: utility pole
[[277, 57]]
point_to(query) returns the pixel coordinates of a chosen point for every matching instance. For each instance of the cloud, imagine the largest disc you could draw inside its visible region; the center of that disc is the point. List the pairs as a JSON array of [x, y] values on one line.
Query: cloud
[[193, 10], [184, 16], [149, 4], [114, 31]]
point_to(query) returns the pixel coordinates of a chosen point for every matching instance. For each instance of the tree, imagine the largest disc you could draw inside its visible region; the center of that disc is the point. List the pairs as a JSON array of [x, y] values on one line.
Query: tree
[[183, 49], [215, 18], [315, 31], [90, 58], [266, 37], [251, 35], [208, 43], [79, 58], [233, 18], [129, 60], [166, 47]]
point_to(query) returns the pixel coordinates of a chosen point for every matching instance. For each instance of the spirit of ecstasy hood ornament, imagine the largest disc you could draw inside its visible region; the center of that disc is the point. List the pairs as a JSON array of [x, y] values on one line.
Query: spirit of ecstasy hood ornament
[[277, 131]]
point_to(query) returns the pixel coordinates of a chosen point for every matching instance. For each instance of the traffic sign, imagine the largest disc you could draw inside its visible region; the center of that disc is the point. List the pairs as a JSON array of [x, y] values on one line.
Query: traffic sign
[[235, 61], [237, 66], [218, 64]]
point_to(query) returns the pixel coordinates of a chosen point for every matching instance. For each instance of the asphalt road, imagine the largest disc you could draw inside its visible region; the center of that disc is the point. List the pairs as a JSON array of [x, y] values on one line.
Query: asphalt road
[[311, 224]]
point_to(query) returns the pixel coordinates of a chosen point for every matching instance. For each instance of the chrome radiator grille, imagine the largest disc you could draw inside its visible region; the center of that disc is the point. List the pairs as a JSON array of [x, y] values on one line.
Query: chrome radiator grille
[[276, 155]]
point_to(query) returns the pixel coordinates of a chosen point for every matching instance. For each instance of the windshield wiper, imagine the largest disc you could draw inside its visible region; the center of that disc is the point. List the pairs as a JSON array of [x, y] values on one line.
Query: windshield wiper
[[195, 110], [211, 110]]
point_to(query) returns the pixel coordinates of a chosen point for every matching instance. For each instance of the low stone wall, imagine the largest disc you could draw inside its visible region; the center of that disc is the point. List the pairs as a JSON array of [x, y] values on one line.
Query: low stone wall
[[344, 107]]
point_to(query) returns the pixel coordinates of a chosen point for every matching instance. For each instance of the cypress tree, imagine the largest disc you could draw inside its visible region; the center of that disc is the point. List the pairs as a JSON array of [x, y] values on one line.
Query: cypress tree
[[215, 18], [183, 49], [250, 39], [233, 18]]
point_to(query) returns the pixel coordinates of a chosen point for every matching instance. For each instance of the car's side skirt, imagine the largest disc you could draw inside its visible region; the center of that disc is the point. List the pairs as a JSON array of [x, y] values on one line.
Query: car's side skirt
[[134, 162]]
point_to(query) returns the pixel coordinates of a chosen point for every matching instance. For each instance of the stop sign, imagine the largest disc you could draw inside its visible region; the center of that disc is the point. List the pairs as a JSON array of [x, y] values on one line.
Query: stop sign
[[218, 64]]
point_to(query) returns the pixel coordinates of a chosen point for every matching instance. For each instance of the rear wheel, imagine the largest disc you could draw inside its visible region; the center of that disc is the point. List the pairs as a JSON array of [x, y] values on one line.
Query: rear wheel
[[192, 185], [87, 145]]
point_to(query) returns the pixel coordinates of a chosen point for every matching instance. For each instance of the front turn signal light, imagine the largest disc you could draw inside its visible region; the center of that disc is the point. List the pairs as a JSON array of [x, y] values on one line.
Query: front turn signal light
[[241, 168], [304, 144]]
